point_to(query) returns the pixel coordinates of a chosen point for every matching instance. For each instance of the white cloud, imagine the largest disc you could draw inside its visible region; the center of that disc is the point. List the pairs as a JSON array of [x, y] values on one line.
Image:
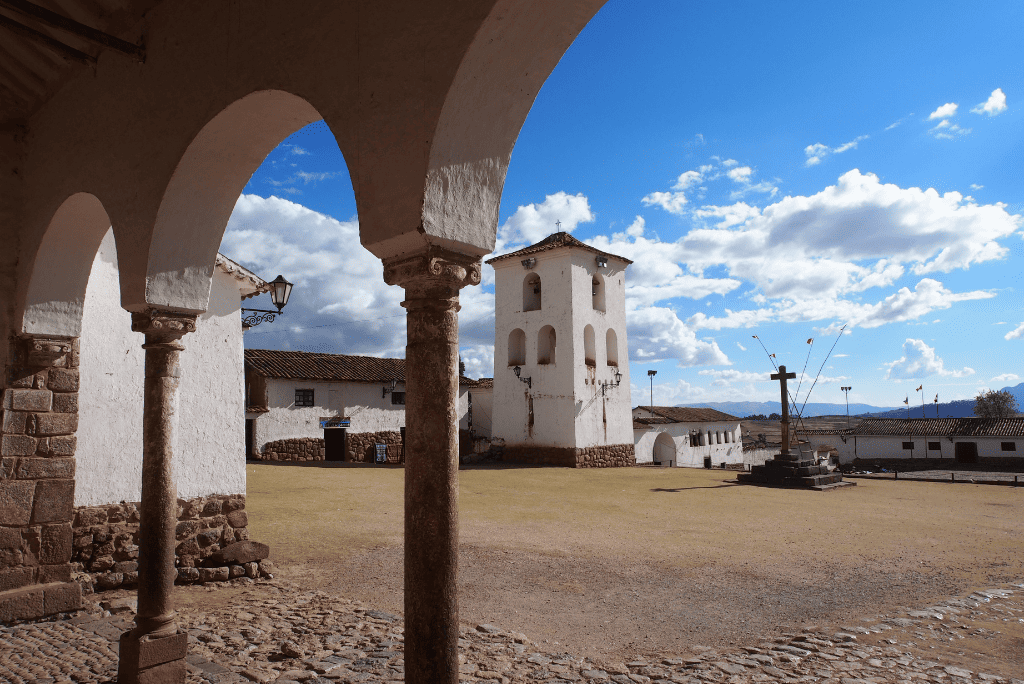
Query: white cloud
[[947, 131], [534, 222], [687, 179], [309, 177], [1006, 377], [995, 104], [636, 229], [817, 152], [672, 202], [742, 348], [975, 186], [944, 112], [657, 333], [740, 174], [1016, 333], [298, 150], [919, 361], [338, 283], [479, 360]]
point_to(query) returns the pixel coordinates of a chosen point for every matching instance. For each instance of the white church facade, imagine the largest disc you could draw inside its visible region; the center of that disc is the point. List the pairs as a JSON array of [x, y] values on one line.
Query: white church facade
[[561, 372], [678, 436]]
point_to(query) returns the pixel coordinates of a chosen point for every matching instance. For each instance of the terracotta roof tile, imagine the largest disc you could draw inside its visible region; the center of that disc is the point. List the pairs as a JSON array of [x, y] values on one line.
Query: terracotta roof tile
[[682, 414], [555, 241], [298, 365], [946, 427]]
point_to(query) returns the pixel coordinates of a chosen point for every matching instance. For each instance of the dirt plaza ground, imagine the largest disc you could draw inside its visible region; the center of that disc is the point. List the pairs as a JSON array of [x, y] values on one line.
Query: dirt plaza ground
[[615, 563]]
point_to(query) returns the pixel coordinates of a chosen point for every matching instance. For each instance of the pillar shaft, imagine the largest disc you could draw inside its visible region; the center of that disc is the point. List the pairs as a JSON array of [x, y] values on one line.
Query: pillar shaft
[[432, 284], [154, 620]]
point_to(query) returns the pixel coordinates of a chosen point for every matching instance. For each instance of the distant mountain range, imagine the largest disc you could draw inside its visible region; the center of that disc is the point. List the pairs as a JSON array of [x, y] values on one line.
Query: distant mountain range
[[952, 409]]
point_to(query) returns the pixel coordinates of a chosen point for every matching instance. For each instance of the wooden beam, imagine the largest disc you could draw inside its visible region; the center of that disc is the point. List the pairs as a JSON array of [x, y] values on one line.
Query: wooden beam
[[84, 32], [70, 54]]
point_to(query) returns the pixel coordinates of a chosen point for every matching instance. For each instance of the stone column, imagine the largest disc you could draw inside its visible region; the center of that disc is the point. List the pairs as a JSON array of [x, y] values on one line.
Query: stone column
[[432, 282], [155, 650]]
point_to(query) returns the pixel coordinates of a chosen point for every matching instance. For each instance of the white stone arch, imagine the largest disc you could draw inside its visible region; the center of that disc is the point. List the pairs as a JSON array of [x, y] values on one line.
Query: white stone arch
[[611, 345], [589, 346], [546, 343], [533, 296], [55, 292], [664, 449], [202, 192]]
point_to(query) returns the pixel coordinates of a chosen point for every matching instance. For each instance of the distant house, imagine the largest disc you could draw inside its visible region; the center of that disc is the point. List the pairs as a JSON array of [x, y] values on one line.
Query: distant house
[[686, 437], [961, 440], [303, 406]]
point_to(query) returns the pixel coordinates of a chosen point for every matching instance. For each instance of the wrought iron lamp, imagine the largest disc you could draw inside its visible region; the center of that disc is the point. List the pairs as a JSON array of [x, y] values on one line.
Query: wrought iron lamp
[[529, 381], [606, 385], [385, 391], [280, 291]]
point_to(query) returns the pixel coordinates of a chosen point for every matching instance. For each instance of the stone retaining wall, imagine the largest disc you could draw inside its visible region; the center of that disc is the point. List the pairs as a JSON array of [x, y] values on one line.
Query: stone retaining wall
[[106, 539], [610, 456], [296, 449], [37, 477], [360, 447]]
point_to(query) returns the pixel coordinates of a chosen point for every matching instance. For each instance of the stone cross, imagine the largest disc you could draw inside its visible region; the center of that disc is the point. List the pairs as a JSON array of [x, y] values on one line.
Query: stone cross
[[782, 376]]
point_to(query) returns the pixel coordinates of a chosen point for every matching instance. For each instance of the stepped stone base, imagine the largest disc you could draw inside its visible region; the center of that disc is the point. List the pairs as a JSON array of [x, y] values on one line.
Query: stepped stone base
[[788, 470]]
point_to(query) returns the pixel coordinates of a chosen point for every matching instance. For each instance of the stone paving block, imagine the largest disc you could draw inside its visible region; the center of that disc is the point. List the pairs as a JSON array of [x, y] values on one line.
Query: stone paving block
[[45, 468], [54, 501], [16, 502], [28, 399]]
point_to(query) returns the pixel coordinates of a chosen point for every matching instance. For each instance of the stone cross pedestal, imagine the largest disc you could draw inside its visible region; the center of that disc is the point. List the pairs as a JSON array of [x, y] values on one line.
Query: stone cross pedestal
[[782, 376]]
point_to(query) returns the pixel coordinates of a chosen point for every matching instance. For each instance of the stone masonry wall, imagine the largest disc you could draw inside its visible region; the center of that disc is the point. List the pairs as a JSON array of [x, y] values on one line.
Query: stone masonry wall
[[106, 539], [37, 471], [298, 449], [610, 456], [361, 446]]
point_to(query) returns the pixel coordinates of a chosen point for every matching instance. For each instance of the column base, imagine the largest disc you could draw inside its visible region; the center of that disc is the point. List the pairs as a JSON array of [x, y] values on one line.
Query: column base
[[145, 660]]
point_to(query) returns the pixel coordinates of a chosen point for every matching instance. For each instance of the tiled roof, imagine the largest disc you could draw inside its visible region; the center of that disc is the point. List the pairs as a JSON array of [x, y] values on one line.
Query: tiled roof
[[945, 427], [298, 365], [681, 414], [825, 431], [253, 284], [485, 383], [554, 241]]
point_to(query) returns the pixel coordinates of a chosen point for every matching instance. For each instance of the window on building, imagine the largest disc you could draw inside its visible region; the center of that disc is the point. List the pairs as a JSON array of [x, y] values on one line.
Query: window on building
[[589, 346], [908, 445], [546, 345], [611, 345], [1008, 446], [304, 397], [517, 348], [398, 398], [934, 446]]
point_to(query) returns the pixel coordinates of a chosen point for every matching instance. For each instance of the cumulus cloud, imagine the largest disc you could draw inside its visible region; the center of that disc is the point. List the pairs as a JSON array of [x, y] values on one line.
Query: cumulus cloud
[[947, 130], [995, 104], [975, 186], [534, 222], [656, 333], [338, 284], [1006, 377], [919, 361], [944, 112], [1016, 333], [817, 152]]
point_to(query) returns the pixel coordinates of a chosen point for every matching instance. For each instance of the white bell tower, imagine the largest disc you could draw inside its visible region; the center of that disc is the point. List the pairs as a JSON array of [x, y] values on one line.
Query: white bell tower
[[561, 364]]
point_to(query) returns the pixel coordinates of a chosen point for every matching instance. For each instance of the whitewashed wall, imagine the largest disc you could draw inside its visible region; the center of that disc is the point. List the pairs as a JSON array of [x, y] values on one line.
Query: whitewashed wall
[[361, 402], [483, 410], [568, 407], [209, 457], [868, 447], [686, 456]]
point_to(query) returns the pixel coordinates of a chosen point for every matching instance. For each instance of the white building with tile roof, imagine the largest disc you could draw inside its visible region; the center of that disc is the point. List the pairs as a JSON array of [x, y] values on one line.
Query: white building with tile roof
[[686, 437]]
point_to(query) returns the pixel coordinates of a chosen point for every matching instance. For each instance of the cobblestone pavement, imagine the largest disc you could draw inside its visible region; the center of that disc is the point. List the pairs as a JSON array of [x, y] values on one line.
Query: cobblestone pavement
[[278, 633]]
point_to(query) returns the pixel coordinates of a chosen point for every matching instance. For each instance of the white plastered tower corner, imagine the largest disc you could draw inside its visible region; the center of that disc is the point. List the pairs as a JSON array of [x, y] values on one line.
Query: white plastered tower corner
[[560, 317]]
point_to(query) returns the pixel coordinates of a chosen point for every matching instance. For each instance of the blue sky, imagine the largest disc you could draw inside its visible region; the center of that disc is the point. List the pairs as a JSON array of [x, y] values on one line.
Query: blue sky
[[777, 171]]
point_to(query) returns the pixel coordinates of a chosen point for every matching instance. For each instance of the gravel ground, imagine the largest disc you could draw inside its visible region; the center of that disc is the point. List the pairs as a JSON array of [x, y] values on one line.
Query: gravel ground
[[942, 475]]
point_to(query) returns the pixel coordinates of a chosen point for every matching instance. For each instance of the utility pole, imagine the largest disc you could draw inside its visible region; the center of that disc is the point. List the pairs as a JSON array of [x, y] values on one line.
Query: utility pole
[[651, 374], [846, 390]]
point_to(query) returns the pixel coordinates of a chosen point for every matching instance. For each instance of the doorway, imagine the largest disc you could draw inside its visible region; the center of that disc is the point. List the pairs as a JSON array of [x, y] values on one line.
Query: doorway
[[334, 444], [966, 452], [664, 450], [249, 422]]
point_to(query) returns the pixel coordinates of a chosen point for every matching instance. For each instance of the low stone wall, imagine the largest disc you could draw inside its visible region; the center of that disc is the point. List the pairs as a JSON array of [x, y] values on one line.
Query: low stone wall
[[105, 544], [609, 456], [360, 447], [296, 449]]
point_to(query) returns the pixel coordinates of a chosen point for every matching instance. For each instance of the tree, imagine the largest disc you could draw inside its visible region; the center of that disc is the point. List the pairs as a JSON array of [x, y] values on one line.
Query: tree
[[775, 416], [994, 405]]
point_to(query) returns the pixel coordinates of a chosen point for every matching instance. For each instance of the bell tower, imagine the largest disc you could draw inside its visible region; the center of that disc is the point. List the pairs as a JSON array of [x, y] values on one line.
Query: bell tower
[[561, 364]]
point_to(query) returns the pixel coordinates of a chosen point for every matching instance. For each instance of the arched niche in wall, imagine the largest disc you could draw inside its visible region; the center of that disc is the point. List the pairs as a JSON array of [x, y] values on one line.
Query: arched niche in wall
[[611, 345], [546, 345], [531, 292], [517, 348], [589, 346], [597, 292]]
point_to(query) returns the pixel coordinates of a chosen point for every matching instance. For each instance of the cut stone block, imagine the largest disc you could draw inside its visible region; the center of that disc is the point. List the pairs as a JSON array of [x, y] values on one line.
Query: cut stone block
[[28, 400], [45, 468], [54, 501], [16, 502]]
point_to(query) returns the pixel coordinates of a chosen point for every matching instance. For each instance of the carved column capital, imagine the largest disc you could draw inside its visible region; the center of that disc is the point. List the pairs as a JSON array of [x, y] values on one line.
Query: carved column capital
[[42, 350], [163, 327], [433, 268]]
